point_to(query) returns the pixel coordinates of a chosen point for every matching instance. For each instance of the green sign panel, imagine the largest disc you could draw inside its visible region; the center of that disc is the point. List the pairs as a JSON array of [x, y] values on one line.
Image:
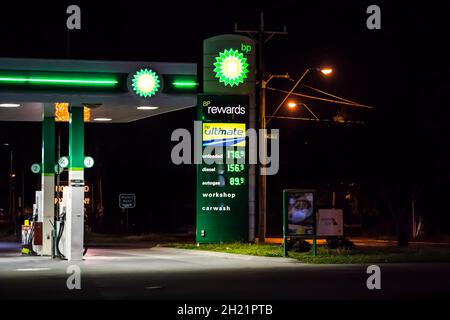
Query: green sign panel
[[225, 180], [222, 177], [229, 65]]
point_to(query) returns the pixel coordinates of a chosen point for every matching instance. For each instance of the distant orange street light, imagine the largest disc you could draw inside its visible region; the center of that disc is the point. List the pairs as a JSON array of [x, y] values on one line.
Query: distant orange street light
[[292, 105], [326, 71]]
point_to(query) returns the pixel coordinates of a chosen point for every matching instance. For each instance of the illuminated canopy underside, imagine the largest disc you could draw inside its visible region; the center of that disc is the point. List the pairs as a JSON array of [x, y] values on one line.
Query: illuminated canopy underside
[[58, 81], [101, 85]]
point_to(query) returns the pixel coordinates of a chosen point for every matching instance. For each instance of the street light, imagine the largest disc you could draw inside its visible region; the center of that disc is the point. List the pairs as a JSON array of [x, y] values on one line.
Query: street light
[[293, 104], [324, 70], [263, 124]]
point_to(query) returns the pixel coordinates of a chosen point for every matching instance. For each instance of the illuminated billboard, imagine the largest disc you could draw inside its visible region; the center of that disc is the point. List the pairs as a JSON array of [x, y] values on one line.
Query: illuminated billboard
[[299, 213]]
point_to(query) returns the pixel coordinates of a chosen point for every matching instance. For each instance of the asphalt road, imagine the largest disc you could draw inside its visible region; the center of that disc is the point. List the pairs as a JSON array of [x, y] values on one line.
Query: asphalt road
[[163, 273]]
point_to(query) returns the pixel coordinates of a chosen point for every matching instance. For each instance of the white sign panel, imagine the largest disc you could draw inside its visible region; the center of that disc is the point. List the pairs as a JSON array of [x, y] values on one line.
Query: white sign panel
[[330, 223], [127, 200]]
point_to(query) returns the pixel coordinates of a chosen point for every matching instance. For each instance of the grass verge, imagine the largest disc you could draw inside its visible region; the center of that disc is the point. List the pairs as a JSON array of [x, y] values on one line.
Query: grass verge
[[358, 255]]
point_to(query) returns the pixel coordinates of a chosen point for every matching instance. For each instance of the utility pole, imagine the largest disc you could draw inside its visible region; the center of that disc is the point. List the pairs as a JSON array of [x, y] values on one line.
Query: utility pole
[[263, 37]]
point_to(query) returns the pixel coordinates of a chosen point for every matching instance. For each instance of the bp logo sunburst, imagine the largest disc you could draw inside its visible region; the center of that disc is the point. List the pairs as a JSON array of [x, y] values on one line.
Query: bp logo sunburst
[[145, 83], [231, 67]]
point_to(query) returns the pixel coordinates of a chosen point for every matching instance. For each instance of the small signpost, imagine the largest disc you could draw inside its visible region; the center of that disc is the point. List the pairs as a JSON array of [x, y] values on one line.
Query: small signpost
[[330, 223], [127, 201]]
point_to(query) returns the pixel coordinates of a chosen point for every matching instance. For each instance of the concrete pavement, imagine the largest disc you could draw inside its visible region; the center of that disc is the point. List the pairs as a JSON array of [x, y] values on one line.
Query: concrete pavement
[[165, 273]]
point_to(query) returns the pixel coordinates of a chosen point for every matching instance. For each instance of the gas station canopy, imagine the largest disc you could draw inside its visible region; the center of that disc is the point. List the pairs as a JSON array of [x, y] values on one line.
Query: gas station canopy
[[114, 91]]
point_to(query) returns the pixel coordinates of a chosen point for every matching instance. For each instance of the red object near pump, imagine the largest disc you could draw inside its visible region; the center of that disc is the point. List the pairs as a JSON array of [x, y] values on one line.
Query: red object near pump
[[37, 226]]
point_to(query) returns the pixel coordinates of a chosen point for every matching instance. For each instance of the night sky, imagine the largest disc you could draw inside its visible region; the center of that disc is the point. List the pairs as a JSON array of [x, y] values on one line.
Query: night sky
[[402, 70]]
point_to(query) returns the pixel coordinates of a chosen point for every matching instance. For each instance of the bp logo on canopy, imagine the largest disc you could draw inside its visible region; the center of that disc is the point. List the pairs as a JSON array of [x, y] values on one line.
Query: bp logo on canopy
[[144, 82]]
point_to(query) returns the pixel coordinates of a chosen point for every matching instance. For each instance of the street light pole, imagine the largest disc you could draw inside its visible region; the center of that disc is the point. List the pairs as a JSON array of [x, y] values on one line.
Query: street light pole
[[262, 226], [263, 125]]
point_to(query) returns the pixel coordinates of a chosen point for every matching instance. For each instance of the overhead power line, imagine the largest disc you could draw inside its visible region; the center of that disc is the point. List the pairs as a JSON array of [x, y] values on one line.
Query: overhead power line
[[317, 120], [328, 94], [344, 102]]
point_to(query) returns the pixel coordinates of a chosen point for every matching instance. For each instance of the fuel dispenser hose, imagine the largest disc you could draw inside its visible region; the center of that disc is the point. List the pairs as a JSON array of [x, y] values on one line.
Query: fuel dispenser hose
[[85, 244], [58, 239]]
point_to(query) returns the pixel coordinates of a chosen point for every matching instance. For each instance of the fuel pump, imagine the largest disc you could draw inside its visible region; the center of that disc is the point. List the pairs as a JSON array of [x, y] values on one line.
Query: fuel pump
[[32, 230], [74, 222], [70, 227], [26, 237]]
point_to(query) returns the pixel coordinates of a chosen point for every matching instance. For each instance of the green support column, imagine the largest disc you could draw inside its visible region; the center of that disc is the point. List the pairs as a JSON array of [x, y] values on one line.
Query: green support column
[[75, 205], [76, 139], [48, 177]]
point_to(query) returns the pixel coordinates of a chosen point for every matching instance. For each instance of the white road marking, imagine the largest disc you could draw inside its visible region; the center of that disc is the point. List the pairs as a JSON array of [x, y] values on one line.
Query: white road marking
[[33, 269]]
